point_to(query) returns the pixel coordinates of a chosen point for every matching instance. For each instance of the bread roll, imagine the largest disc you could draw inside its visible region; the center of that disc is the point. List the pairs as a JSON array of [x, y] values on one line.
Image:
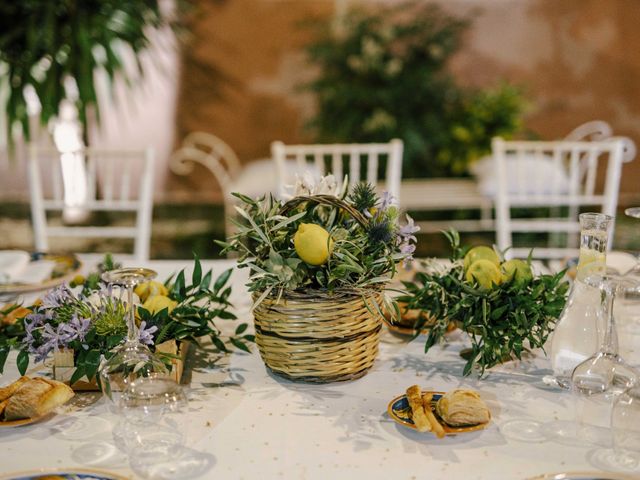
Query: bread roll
[[462, 407], [12, 388], [36, 398]]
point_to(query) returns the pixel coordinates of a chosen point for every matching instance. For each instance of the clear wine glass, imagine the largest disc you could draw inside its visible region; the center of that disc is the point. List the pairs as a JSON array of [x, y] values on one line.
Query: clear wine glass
[[131, 359], [625, 428], [605, 368], [149, 431], [634, 212]]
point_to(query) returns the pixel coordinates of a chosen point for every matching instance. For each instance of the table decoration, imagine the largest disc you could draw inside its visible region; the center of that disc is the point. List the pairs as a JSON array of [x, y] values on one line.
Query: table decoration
[[319, 263], [399, 411], [86, 320], [503, 307]]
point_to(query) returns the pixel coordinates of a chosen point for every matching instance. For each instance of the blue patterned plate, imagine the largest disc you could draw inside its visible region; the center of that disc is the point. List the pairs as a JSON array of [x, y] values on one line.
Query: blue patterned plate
[[63, 474], [400, 412], [583, 476]]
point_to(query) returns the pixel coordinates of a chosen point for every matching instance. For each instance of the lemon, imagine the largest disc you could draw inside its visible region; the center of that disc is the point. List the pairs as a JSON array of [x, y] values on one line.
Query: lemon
[[312, 243], [591, 262], [481, 252], [483, 272], [150, 289], [516, 271], [158, 302]]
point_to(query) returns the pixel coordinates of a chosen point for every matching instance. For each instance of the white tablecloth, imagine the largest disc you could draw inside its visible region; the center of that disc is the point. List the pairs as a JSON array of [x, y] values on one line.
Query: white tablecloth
[[246, 423]]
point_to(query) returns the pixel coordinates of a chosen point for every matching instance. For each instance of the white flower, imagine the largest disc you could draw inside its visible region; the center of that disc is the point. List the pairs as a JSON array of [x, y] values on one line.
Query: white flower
[[394, 66], [309, 184]]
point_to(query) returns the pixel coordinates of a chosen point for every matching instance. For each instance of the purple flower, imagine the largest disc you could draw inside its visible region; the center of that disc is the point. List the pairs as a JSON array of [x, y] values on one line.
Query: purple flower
[[407, 249], [145, 335], [57, 297], [77, 328], [386, 201], [407, 231]]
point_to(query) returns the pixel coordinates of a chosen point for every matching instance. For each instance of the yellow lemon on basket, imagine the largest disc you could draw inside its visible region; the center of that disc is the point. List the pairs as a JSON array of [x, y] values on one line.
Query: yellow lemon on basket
[[313, 243], [516, 271], [481, 253], [150, 289], [483, 272], [158, 302]]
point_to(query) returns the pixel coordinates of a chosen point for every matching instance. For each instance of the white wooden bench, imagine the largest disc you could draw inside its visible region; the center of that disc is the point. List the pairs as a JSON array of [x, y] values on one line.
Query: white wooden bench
[[446, 194]]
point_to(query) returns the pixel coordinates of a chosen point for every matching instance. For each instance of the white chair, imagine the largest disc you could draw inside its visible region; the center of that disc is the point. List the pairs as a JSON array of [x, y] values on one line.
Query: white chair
[[255, 179], [93, 180], [359, 160], [561, 175]]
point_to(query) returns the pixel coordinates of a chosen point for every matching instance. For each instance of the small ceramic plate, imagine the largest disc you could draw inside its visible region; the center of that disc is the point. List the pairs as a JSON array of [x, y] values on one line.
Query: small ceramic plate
[[63, 474], [582, 476], [24, 421], [400, 412], [66, 267]]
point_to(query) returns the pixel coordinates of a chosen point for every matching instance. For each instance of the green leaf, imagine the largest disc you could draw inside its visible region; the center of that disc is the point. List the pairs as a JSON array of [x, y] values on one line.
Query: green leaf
[[222, 280], [22, 361], [197, 272], [4, 353], [78, 373], [241, 328], [239, 344]]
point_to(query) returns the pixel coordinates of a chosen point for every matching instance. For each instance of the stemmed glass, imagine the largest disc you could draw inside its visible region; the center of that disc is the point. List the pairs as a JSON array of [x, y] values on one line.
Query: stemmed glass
[[605, 368], [131, 359], [625, 427], [635, 213]]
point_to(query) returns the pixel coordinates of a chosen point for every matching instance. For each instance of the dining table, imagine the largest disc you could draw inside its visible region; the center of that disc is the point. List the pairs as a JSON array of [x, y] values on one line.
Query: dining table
[[245, 422]]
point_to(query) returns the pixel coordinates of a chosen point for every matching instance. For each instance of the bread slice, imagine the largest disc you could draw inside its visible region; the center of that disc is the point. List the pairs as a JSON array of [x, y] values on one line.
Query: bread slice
[[462, 407], [12, 388], [3, 404], [36, 398]]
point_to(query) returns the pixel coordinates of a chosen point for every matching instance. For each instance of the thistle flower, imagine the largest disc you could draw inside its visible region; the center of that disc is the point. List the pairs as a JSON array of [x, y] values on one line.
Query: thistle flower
[[364, 198]]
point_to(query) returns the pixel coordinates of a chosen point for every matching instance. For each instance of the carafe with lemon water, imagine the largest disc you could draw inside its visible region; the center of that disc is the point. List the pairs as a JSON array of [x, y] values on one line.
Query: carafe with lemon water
[[575, 337]]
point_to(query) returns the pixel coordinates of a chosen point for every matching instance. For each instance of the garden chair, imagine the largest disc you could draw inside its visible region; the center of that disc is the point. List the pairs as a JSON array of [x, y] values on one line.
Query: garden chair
[[557, 178], [92, 180], [255, 179], [360, 161]]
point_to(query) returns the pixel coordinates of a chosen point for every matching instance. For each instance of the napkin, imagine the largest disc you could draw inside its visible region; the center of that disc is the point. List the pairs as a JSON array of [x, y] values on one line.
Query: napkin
[[16, 267], [621, 261]]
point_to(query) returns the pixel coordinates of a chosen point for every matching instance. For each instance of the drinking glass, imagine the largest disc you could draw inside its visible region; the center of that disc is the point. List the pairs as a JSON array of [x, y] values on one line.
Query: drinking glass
[[625, 428], [131, 359], [149, 430], [605, 368]]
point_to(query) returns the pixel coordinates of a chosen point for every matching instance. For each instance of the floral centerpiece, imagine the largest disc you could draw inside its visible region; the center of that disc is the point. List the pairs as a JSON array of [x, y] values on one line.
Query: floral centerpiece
[[503, 307], [88, 319], [319, 262]]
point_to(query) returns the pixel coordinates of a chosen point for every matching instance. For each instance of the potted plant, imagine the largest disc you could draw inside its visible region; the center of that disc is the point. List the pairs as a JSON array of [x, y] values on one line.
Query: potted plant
[[79, 325], [503, 307], [319, 263], [382, 75], [57, 50]]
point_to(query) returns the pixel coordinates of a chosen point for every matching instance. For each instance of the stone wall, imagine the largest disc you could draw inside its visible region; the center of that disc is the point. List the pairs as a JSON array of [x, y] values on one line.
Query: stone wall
[[577, 60]]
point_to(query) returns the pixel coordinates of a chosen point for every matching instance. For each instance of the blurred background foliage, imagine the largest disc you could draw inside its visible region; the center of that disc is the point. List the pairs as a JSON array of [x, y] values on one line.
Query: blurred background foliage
[[55, 49], [383, 75]]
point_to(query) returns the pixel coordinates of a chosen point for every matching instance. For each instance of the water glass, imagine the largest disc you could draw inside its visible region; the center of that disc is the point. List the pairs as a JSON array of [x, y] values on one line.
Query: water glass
[[149, 429], [625, 428]]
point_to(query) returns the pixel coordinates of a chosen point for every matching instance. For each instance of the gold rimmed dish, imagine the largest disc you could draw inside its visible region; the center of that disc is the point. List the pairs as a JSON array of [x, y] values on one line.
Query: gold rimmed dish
[[66, 266], [63, 474], [25, 421], [400, 412]]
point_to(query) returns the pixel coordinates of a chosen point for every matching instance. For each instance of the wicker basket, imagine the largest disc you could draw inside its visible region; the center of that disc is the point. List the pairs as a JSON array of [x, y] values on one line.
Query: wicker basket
[[315, 336]]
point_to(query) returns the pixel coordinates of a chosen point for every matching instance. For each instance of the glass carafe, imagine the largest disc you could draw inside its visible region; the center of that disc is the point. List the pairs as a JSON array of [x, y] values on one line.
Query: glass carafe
[[575, 337]]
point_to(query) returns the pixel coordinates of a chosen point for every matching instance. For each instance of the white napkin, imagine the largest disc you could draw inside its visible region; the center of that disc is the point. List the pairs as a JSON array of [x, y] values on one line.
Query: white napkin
[[16, 267], [621, 261], [12, 263]]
